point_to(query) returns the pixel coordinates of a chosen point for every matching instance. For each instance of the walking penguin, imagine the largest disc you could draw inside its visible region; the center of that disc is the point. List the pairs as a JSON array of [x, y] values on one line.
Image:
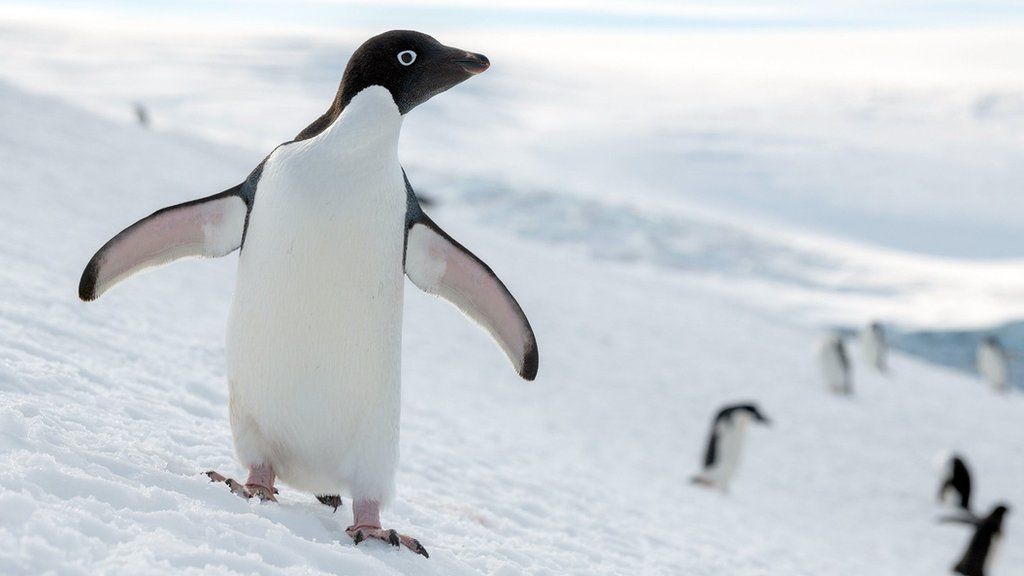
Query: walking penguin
[[981, 550], [835, 364], [328, 226], [956, 482], [993, 363], [725, 444], [876, 349]]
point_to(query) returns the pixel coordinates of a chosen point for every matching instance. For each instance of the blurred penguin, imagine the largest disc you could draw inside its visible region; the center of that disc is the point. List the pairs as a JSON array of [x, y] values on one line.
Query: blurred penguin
[[988, 532], [726, 443], [993, 363], [141, 115], [835, 364], [875, 347], [956, 482]]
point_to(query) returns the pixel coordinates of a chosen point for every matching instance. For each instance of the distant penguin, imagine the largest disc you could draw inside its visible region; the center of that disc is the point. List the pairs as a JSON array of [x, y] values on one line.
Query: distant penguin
[[988, 532], [328, 227], [141, 115], [956, 483], [993, 363], [835, 364], [725, 443], [876, 349]]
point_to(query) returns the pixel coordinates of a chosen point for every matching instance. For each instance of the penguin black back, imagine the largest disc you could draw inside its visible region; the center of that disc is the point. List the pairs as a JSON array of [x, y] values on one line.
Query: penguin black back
[[958, 478]]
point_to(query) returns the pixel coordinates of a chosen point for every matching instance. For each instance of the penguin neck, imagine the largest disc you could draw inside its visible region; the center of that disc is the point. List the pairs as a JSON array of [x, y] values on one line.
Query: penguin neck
[[369, 121]]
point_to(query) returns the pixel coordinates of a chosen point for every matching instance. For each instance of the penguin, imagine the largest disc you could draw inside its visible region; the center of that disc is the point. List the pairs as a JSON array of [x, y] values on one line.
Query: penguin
[[835, 364], [141, 114], [327, 226], [725, 443], [993, 363], [875, 347], [956, 481], [988, 532]]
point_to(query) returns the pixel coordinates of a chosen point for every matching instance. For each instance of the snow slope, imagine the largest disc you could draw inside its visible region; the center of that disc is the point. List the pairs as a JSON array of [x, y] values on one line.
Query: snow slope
[[109, 412]]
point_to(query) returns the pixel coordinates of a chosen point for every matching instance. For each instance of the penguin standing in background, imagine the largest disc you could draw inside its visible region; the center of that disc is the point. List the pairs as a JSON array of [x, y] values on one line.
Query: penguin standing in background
[[875, 347], [993, 363], [835, 364], [725, 443], [956, 482], [328, 227], [981, 550], [141, 115]]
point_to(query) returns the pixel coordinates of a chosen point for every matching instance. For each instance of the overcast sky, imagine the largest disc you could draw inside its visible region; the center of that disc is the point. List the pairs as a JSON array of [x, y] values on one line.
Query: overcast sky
[[660, 14]]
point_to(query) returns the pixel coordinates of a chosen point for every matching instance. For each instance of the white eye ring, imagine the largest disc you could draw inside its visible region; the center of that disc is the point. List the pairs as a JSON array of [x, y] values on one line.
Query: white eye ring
[[406, 57]]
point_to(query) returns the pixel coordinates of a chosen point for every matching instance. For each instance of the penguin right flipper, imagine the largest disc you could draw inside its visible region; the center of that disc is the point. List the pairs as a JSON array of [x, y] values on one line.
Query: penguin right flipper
[[439, 265], [208, 227], [969, 519]]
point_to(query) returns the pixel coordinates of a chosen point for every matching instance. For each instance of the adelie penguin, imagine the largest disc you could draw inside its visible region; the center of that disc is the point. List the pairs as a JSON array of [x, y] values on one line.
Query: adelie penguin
[[328, 226], [993, 363], [835, 364], [874, 346], [956, 483], [725, 444], [981, 550]]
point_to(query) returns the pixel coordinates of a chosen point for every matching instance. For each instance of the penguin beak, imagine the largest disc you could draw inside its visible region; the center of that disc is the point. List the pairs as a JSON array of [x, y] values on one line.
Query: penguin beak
[[765, 421], [473, 63]]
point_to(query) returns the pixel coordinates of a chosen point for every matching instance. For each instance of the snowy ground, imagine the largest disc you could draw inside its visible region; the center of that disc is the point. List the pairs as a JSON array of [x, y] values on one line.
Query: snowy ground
[[110, 411], [654, 302]]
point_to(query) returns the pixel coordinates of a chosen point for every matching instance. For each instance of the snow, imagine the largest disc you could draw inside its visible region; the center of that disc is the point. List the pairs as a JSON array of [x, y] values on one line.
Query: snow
[[647, 321]]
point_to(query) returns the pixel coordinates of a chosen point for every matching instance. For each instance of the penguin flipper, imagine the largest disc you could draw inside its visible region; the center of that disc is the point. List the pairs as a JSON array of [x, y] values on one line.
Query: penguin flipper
[[439, 265], [208, 227], [969, 519]]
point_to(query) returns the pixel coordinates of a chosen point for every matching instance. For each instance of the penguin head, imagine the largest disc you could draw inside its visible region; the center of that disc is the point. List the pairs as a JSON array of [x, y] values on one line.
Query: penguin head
[[412, 66], [758, 415], [998, 512], [746, 410]]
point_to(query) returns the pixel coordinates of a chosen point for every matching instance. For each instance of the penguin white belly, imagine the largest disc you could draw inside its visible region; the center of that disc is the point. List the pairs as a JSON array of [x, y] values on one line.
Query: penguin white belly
[[993, 547], [993, 367], [314, 336], [730, 446], [833, 370]]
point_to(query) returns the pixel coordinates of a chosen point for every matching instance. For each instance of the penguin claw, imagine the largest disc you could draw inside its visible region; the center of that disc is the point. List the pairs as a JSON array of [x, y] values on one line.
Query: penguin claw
[[262, 492], [392, 537], [246, 492], [234, 485]]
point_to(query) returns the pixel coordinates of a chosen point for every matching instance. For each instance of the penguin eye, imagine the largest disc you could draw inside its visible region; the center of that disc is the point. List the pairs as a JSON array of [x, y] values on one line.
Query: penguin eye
[[406, 57]]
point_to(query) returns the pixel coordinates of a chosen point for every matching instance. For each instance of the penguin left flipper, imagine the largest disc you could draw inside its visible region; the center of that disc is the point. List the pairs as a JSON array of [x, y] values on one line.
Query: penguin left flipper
[[209, 227], [439, 265]]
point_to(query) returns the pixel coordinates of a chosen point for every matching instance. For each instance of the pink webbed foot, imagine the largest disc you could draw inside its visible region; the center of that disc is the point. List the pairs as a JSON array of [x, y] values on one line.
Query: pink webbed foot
[[367, 525], [260, 484], [363, 533]]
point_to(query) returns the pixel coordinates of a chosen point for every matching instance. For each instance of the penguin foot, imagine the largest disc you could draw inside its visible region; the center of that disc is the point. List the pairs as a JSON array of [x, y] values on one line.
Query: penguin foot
[[249, 489], [235, 486], [362, 533], [262, 492]]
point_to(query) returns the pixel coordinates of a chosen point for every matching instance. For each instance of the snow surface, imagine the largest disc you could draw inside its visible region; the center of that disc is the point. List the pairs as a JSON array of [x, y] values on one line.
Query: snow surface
[[110, 411]]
